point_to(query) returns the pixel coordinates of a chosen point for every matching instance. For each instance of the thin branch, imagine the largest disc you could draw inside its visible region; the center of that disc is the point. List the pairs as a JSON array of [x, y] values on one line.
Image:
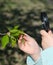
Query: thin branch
[[2, 34]]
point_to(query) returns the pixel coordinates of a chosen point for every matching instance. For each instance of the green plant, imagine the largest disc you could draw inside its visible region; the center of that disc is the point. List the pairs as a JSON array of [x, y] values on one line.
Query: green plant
[[11, 37]]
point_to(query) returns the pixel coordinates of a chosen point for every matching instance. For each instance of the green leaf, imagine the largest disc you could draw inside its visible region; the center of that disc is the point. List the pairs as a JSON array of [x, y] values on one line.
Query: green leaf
[[13, 31], [20, 32], [13, 41], [16, 27], [15, 34], [4, 41]]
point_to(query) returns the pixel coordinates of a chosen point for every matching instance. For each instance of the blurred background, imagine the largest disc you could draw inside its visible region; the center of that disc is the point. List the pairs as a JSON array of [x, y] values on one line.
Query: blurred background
[[25, 14]]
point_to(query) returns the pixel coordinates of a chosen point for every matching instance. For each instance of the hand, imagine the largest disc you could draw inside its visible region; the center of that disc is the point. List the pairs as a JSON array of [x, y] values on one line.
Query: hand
[[29, 46], [47, 39]]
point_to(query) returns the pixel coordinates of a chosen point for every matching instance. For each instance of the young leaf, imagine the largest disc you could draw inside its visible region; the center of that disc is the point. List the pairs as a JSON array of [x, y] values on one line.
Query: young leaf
[[13, 41], [16, 27], [15, 34], [4, 41], [13, 31]]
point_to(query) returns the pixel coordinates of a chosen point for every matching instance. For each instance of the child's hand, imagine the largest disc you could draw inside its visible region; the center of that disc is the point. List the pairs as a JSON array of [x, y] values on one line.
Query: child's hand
[[29, 46], [47, 39]]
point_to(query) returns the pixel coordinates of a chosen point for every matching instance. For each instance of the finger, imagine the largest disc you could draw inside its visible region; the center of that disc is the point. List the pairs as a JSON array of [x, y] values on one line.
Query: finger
[[27, 37], [50, 33], [19, 43], [19, 40], [22, 41], [43, 33], [21, 36]]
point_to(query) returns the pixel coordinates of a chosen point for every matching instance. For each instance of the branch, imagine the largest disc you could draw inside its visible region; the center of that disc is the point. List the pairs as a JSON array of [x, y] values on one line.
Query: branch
[[2, 34]]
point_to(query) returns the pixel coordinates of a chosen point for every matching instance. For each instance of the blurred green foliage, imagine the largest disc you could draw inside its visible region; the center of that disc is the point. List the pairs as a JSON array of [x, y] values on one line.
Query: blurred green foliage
[[11, 37], [26, 15]]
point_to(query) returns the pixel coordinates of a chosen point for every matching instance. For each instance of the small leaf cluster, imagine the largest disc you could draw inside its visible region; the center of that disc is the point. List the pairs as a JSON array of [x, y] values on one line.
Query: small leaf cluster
[[11, 37]]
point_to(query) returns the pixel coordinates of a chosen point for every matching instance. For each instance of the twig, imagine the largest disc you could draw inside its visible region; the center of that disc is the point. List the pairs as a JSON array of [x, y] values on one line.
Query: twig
[[2, 34]]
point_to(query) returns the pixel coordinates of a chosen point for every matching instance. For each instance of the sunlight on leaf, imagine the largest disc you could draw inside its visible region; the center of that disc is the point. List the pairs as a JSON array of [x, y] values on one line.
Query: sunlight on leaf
[[5, 41]]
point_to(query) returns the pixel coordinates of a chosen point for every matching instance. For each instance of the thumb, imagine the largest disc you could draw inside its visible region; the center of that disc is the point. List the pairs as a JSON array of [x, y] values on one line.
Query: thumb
[[43, 33], [50, 33]]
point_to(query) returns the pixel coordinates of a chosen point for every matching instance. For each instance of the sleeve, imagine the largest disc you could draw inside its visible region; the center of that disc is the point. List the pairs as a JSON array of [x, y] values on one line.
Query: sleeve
[[45, 59], [30, 61], [47, 56]]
